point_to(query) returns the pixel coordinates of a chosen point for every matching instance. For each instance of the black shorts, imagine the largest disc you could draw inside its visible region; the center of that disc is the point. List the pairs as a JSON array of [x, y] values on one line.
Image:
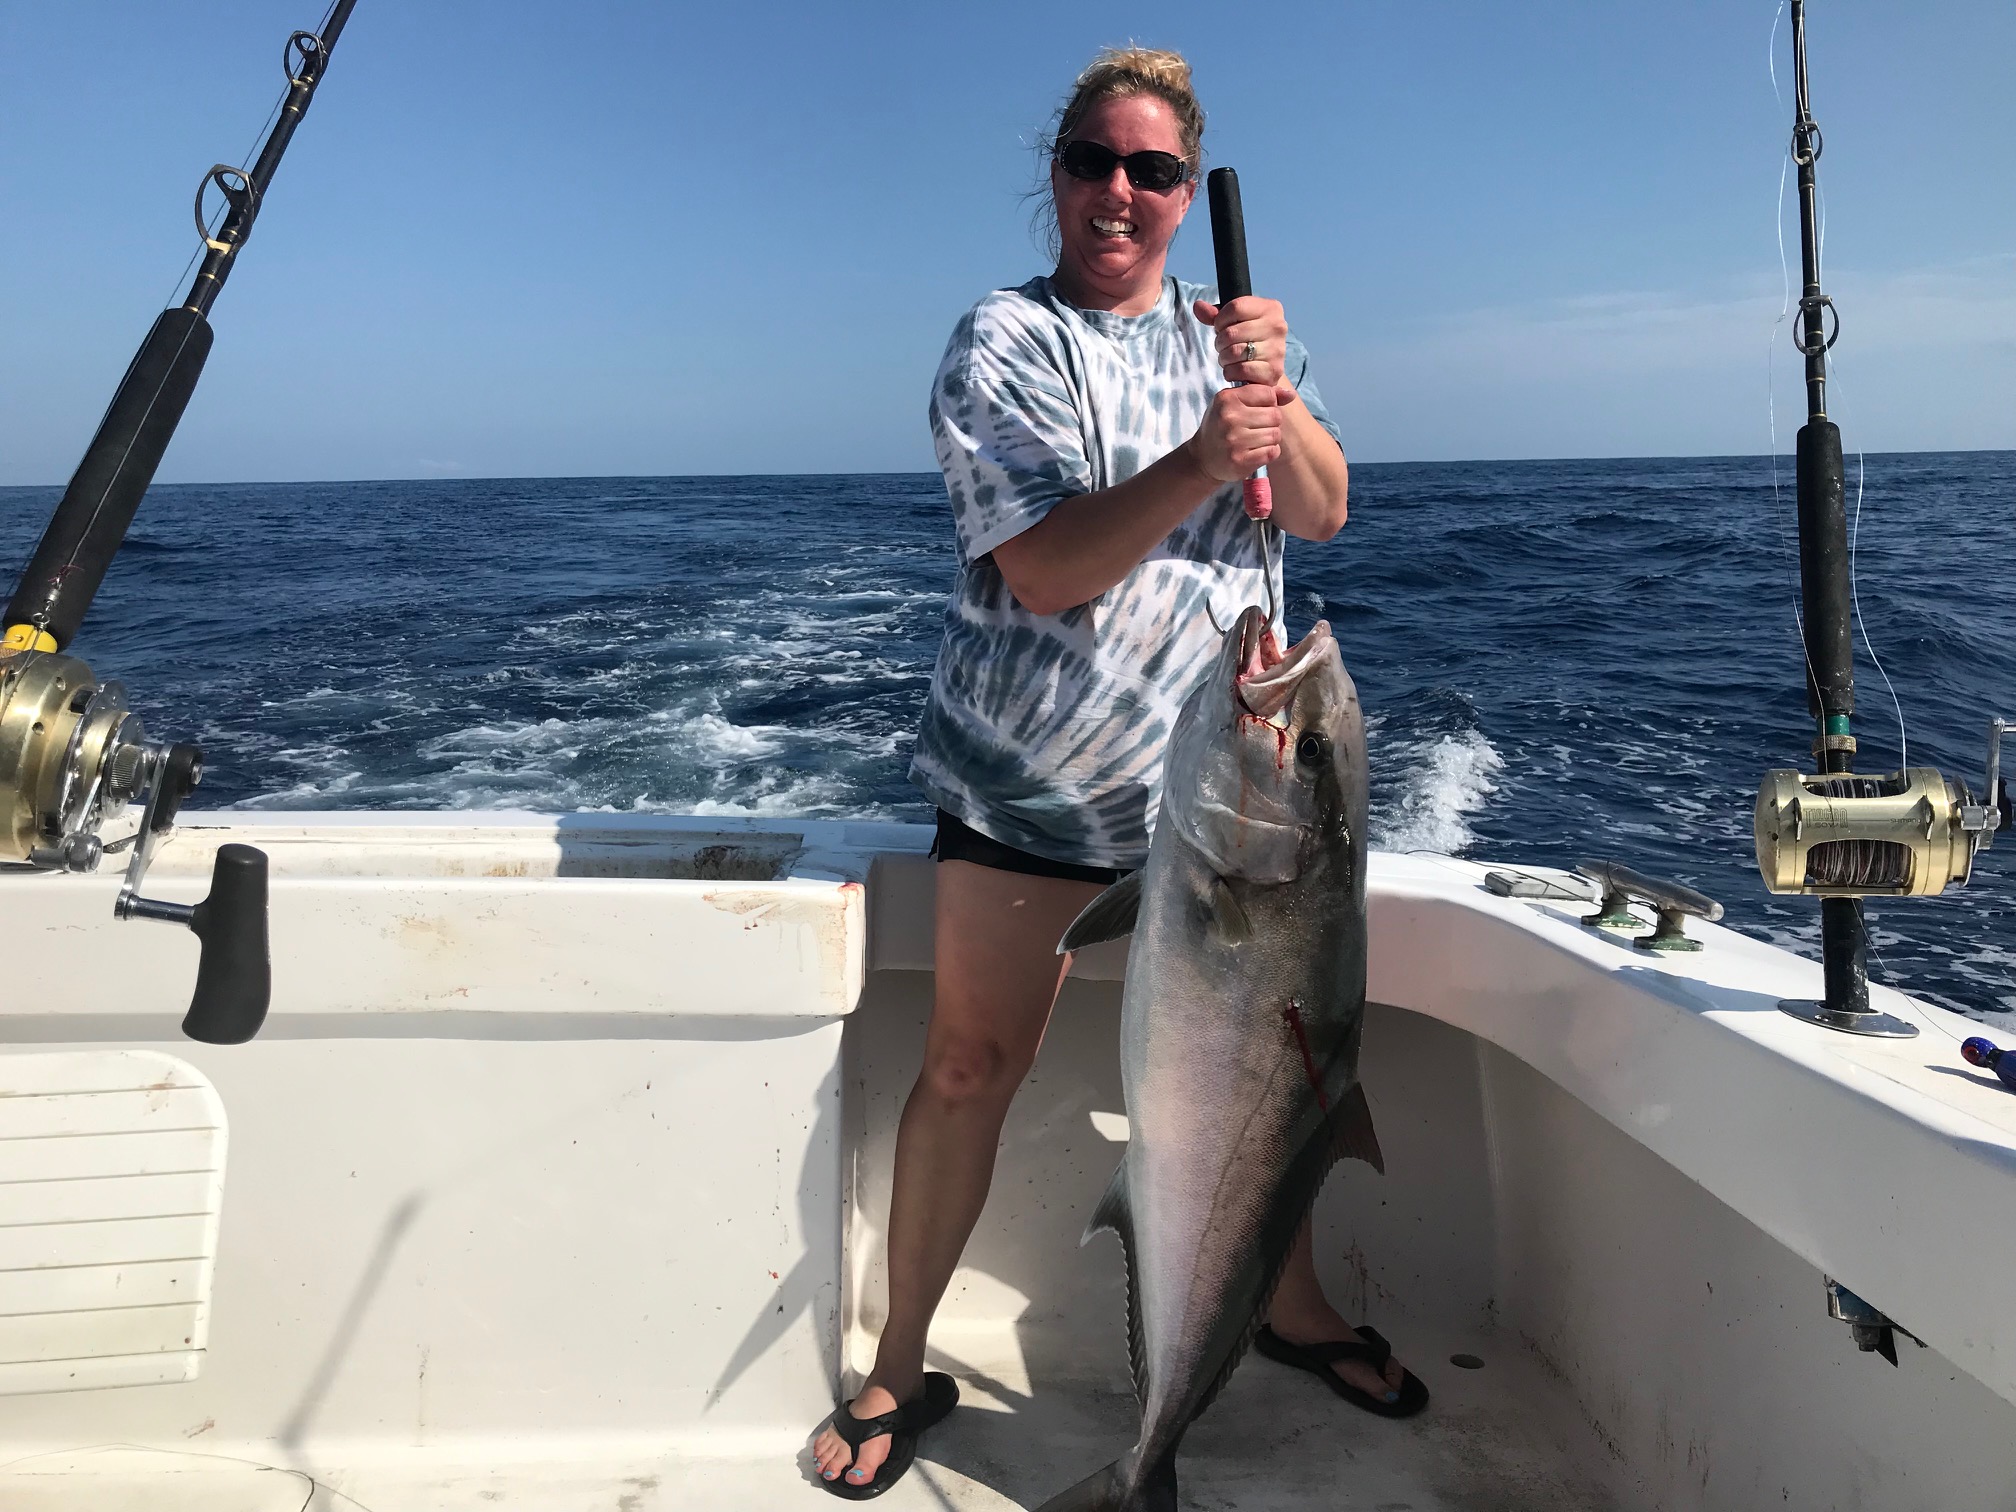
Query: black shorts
[[959, 841]]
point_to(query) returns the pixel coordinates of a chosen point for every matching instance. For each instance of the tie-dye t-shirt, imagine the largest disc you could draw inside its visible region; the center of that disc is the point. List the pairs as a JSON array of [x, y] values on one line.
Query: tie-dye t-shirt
[[1047, 732]]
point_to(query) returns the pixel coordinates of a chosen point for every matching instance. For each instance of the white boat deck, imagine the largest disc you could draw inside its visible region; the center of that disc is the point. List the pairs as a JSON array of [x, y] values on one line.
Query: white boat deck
[[1505, 1437], [556, 1182]]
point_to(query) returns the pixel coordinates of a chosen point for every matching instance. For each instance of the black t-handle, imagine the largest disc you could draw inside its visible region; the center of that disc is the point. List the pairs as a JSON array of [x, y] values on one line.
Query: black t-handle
[[234, 980], [1228, 235]]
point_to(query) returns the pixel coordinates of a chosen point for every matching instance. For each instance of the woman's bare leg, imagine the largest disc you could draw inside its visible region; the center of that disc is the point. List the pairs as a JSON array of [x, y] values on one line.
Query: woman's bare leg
[[997, 976], [1301, 1314]]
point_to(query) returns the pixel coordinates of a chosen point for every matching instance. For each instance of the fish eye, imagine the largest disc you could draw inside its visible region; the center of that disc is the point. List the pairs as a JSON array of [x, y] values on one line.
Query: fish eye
[[1312, 750]]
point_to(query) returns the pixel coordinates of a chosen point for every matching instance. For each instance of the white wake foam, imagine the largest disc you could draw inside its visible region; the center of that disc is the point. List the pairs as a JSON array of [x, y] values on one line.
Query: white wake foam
[[1445, 783]]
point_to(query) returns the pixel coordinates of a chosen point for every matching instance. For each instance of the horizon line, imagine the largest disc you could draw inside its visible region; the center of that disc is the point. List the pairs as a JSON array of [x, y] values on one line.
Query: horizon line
[[459, 477]]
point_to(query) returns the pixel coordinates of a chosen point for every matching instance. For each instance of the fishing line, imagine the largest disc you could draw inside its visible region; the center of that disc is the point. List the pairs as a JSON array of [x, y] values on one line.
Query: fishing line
[[1833, 364], [1771, 404], [175, 292], [1833, 371], [1855, 599], [1771, 55], [248, 155], [1888, 981]]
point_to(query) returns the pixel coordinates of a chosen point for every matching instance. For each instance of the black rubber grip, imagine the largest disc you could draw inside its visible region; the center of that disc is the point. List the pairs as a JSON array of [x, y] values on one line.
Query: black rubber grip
[[1228, 234], [85, 531], [234, 981]]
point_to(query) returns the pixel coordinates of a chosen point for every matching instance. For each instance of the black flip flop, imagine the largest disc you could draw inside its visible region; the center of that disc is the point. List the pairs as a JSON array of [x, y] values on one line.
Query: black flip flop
[[1318, 1358], [939, 1396]]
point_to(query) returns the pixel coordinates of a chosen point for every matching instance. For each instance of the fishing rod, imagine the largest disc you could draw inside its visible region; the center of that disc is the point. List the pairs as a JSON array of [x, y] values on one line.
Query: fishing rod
[[71, 753], [1235, 281], [89, 524], [1836, 835]]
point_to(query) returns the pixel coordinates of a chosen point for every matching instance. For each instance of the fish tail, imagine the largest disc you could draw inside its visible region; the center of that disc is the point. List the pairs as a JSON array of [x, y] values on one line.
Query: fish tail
[[1117, 1489]]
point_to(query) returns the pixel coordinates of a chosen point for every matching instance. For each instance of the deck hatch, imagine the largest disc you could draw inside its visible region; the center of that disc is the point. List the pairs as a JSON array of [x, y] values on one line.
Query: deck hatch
[[111, 1183]]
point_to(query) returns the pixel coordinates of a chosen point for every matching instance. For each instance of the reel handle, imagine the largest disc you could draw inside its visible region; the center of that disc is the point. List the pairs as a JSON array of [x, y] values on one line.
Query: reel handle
[[1235, 281], [234, 980]]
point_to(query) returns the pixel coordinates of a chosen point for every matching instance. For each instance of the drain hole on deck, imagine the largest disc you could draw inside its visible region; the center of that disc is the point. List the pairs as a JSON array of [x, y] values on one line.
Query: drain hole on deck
[[1466, 1362]]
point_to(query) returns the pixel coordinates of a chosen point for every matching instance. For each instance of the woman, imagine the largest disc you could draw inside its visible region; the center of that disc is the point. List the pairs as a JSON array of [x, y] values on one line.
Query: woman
[[1093, 428]]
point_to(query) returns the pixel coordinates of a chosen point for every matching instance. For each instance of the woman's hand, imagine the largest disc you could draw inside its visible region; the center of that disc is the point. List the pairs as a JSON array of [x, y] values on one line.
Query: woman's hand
[[1241, 432], [1263, 323]]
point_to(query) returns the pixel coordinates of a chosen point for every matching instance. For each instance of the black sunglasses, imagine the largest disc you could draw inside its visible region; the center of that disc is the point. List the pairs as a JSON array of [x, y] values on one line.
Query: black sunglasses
[[1094, 162]]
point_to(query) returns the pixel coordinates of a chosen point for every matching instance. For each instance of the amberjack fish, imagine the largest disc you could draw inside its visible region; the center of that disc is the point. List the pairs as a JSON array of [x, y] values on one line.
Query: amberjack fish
[[1239, 1025]]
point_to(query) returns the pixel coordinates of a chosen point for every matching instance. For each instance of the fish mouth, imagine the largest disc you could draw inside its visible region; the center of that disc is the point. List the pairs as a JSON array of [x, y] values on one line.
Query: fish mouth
[[1268, 676]]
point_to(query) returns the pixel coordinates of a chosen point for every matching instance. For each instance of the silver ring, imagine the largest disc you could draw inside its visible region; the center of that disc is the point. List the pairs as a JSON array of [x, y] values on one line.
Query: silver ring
[[1252, 353]]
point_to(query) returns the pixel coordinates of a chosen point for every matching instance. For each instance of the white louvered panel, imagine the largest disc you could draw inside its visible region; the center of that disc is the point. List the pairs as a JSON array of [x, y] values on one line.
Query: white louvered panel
[[42, 1116], [126, 1155], [71, 1072], [95, 1335], [105, 1243], [77, 1288], [89, 1375], [96, 1197], [111, 1181]]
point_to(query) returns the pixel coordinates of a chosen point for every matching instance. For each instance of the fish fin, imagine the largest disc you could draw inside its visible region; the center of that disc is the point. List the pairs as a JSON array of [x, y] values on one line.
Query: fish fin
[[1351, 1124], [1116, 1215], [1107, 1490], [1228, 920], [1110, 916], [1112, 1214]]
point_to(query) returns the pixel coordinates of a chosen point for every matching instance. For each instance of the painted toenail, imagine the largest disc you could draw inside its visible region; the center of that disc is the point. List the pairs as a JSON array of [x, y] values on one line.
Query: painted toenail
[[1392, 1396], [829, 1474]]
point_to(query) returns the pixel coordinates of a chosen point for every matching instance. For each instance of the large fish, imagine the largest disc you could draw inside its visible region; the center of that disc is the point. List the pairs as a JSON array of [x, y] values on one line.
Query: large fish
[[1239, 1025]]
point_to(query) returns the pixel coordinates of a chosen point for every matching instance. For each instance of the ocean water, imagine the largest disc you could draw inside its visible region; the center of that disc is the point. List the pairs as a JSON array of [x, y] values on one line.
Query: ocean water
[[1559, 659]]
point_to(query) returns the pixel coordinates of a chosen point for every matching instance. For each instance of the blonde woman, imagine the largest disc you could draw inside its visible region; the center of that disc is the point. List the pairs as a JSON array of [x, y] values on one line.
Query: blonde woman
[[1093, 427]]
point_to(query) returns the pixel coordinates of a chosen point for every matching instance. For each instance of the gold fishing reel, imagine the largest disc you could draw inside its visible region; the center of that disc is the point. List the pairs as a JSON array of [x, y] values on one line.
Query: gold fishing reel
[[1912, 833], [72, 756], [71, 753]]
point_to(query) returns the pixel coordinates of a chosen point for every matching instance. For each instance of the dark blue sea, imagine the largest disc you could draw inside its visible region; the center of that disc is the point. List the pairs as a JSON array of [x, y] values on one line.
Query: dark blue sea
[[1560, 659]]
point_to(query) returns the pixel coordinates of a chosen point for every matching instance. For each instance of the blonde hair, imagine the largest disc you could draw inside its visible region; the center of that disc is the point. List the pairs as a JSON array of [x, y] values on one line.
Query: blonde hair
[[1121, 71], [1115, 74]]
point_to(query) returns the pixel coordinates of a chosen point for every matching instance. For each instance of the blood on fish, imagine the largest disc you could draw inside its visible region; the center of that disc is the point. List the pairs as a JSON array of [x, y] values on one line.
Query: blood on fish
[[1293, 1013]]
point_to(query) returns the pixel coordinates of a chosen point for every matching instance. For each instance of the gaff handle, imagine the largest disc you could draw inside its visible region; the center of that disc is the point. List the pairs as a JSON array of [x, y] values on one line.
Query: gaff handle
[[1258, 494], [1235, 281], [1228, 234]]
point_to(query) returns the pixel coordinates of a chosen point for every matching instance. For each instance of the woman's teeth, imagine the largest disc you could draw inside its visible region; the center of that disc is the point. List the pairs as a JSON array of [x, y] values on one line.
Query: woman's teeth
[[1112, 227]]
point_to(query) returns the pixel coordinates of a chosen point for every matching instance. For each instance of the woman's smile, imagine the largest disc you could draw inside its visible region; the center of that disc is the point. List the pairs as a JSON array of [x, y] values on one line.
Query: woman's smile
[[1116, 236]]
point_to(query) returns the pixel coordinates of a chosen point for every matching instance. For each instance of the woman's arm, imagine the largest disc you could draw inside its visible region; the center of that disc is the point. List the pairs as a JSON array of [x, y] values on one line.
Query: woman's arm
[[1312, 483], [1086, 544]]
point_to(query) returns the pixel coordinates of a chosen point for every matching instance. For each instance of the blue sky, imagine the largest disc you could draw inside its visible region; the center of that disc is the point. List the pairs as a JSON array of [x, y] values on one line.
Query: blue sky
[[617, 237]]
